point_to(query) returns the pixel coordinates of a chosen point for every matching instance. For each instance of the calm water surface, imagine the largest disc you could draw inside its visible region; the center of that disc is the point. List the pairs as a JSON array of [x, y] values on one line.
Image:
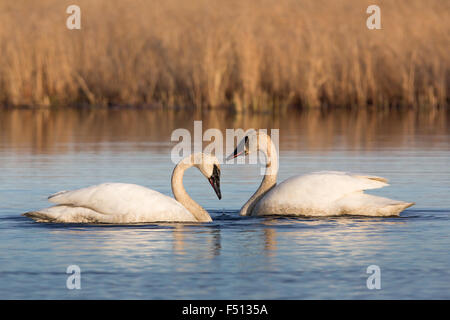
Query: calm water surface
[[44, 151]]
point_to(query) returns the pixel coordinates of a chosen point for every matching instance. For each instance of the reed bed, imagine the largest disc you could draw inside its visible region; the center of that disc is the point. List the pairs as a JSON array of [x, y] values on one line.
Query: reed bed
[[241, 54]]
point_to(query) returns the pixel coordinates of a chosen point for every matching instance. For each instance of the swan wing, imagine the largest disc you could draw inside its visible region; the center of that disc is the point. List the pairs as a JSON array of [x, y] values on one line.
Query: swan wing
[[130, 202], [325, 186], [325, 193]]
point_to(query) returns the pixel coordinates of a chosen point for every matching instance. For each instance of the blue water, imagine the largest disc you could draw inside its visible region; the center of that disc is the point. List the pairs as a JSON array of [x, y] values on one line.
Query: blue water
[[233, 257]]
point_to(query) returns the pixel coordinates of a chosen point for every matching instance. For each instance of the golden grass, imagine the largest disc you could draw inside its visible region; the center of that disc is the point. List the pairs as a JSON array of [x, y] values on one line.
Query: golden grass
[[258, 54]]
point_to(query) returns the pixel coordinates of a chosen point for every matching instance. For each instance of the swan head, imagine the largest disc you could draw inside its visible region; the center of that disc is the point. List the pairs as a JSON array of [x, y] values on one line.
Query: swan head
[[210, 168], [253, 142]]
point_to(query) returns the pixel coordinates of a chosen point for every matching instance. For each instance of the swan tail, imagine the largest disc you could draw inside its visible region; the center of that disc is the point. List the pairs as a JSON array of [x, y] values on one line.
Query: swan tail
[[67, 214], [39, 216], [370, 205], [395, 209]]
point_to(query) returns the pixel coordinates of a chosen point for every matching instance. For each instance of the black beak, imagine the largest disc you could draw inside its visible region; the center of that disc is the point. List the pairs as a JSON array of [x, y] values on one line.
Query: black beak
[[235, 154], [214, 180], [241, 150]]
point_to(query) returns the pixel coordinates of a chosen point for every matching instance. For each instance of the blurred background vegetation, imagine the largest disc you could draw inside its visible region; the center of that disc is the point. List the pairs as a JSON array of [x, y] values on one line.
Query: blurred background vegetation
[[235, 54]]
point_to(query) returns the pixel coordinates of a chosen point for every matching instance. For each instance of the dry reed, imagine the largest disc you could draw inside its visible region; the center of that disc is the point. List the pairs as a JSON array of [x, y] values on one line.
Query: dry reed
[[249, 54]]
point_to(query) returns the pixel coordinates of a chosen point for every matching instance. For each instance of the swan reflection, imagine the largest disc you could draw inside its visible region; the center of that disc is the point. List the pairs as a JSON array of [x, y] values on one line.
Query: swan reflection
[[140, 246]]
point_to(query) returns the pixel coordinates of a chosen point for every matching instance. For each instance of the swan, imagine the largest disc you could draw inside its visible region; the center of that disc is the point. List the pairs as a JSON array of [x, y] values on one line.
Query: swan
[[130, 203], [324, 193]]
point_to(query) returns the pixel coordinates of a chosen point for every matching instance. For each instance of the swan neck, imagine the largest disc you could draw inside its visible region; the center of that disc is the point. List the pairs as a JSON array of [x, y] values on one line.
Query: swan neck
[[183, 197], [266, 146]]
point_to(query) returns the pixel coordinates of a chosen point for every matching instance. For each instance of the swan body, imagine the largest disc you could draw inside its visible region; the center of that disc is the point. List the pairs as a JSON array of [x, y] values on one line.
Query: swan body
[[130, 203], [326, 193], [113, 203]]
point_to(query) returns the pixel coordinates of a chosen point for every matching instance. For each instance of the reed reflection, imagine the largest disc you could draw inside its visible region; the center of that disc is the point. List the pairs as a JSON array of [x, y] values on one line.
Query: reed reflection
[[61, 130]]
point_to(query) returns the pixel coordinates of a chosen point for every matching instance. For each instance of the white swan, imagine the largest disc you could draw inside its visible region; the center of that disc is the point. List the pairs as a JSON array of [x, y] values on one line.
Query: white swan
[[327, 193], [130, 203]]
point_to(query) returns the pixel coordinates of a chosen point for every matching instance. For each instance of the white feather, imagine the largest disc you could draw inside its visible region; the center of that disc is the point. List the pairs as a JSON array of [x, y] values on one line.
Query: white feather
[[113, 203], [328, 193]]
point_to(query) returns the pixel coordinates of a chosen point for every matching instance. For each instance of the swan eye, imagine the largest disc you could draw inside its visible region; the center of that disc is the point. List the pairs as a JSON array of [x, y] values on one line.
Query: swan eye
[[216, 172], [246, 144]]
